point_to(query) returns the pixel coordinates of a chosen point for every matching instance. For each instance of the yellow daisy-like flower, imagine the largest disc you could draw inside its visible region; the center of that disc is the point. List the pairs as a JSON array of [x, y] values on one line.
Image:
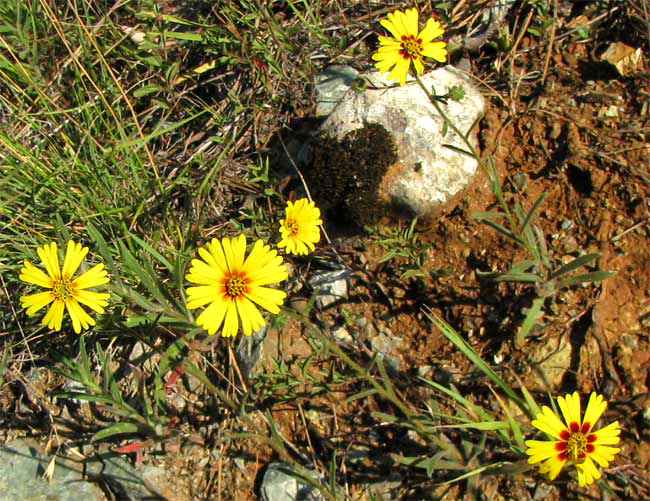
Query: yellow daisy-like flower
[[232, 285], [408, 45], [64, 291], [300, 228], [576, 441]]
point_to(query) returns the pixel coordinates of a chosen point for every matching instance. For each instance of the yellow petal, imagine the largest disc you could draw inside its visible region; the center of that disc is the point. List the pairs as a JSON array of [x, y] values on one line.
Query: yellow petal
[[203, 294], [552, 467], [595, 408], [390, 26], [548, 422], [609, 435], [250, 311], [269, 299], [96, 301], [54, 316], [212, 317], [50, 260], [92, 278], [35, 302], [435, 50], [214, 257], [400, 71], [411, 22], [205, 274], [540, 450], [80, 319], [570, 407], [419, 67], [31, 274], [231, 322], [74, 255], [587, 472], [431, 30], [603, 454], [234, 250]]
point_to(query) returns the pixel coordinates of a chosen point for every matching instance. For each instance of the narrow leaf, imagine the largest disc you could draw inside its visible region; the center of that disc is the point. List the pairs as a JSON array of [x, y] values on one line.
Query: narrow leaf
[[115, 429], [534, 314]]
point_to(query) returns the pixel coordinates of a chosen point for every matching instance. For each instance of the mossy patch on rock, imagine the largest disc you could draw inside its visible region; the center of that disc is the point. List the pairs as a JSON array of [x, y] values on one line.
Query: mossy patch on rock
[[345, 175]]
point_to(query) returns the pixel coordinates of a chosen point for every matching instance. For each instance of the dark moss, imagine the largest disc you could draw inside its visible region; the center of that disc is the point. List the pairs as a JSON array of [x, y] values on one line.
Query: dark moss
[[345, 175]]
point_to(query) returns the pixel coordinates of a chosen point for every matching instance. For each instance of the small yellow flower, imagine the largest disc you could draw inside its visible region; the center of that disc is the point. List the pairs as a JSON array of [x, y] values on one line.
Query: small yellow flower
[[576, 441], [230, 284], [408, 45], [64, 291], [300, 228]]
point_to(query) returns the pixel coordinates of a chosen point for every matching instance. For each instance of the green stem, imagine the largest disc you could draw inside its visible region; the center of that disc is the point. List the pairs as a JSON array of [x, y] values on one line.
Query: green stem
[[492, 177]]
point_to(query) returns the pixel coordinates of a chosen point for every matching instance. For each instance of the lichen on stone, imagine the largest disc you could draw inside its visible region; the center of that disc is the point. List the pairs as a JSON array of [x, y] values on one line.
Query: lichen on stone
[[346, 174]]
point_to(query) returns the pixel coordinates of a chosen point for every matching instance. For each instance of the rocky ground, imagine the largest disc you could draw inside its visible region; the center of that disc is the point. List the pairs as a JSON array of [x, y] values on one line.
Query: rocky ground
[[560, 120]]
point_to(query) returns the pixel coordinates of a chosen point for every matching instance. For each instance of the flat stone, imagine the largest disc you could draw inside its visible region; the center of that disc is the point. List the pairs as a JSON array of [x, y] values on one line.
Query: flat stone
[[21, 478], [250, 350], [331, 285], [22, 467], [427, 174], [550, 362], [280, 484]]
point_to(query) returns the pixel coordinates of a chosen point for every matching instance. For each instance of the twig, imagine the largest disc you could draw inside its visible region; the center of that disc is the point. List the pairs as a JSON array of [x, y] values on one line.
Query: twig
[[547, 59], [631, 228]]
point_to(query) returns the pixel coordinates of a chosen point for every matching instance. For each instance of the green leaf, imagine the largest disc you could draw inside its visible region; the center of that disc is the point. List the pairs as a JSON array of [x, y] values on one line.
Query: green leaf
[[481, 425], [512, 277], [146, 90], [138, 270], [533, 315], [453, 393], [533, 209], [522, 266], [530, 400], [576, 263], [595, 276], [460, 343], [486, 215], [504, 231], [476, 471], [178, 35], [115, 429], [361, 394]]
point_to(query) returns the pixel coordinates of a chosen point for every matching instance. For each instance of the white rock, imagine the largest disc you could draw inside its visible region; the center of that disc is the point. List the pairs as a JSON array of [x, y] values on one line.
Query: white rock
[[427, 174], [331, 285]]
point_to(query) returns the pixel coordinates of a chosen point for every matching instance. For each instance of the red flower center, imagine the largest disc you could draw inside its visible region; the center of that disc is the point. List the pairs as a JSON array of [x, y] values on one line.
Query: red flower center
[[577, 443], [411, 47]]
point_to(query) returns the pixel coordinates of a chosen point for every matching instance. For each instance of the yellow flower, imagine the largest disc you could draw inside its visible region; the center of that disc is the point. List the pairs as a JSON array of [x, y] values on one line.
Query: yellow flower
[[230, 285], [576, 441], [408, 45], [63, 290], [300, 229]]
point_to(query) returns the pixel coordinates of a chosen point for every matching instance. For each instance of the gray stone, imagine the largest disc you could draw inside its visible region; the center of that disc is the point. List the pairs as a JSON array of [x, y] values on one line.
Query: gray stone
[[249, 351], [22, 468], [551, 361], [21, 478], [331, 285], [342, 335], [331, 85], [281, 484], [427, 173]]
